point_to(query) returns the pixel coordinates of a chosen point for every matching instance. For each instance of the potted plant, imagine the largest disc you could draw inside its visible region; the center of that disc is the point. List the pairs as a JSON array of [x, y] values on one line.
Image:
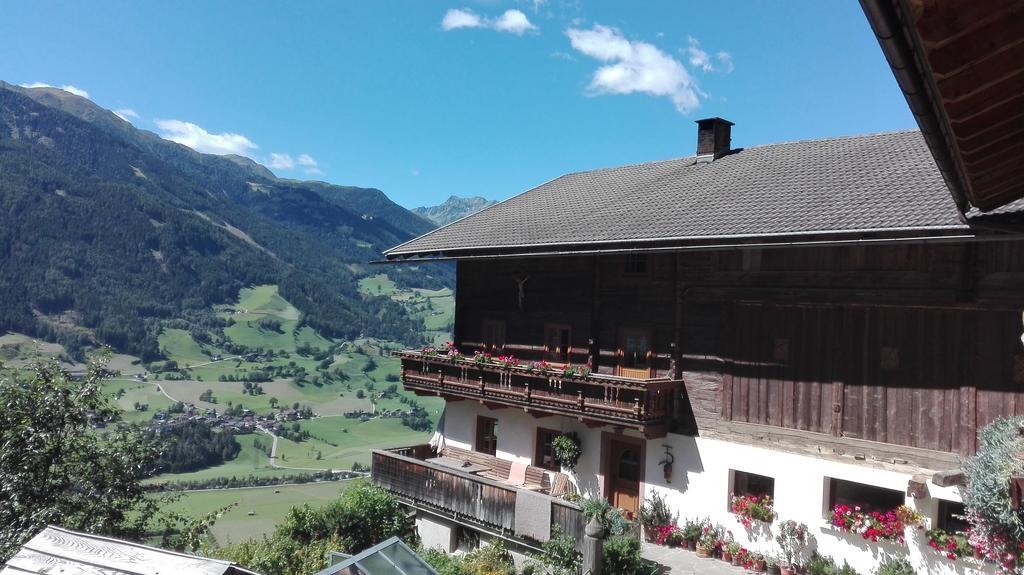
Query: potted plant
[[792, 538], [654, 512], [567, 450], [772, 565], [708, 538], [739, 558], [691, 532], [676, 538], [730, 551], [756, 562]]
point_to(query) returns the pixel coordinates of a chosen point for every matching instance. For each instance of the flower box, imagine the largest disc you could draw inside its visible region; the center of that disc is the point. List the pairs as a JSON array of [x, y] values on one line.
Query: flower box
[[874, 525], [750, 508]]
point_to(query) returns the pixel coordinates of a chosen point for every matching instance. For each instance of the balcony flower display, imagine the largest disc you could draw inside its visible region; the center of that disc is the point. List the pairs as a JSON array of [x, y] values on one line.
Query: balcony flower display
[[750, 508], [507, 361], [875, 525], [481, 358], [575, 370], [539, 366], [429, 352], [949, 545]]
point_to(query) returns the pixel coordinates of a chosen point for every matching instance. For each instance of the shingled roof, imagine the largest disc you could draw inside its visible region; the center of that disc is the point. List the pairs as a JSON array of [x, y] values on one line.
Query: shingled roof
[[861, 186]]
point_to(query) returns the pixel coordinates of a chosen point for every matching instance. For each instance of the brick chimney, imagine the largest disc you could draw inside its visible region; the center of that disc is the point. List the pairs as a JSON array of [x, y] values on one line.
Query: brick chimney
[[714, 135]]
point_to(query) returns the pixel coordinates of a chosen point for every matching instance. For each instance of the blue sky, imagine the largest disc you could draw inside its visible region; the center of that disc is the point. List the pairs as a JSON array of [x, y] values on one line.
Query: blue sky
[[426, 99]]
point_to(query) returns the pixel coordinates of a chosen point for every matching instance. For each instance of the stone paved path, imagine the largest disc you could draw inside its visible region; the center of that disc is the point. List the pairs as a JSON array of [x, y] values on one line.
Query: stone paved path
[[681, 562]]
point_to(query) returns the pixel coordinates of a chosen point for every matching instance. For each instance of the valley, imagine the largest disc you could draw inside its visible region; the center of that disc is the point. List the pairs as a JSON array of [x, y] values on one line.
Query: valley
[[262, 345]]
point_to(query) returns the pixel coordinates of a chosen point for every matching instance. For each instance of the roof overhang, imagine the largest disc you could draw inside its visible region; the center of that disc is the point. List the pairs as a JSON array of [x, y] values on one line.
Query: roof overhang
[[959, 64]]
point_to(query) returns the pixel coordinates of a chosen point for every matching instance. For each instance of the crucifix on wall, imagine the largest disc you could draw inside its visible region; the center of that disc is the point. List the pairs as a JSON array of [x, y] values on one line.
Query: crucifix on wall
[[521, 290]]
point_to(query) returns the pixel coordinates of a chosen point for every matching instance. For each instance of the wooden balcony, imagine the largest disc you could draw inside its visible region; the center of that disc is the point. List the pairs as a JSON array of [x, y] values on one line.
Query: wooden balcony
[[595, 399], [469, 498]]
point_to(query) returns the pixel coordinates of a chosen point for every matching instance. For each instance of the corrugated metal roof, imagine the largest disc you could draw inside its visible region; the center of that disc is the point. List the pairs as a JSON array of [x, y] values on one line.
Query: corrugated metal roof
[[874, 183], [56, 550]]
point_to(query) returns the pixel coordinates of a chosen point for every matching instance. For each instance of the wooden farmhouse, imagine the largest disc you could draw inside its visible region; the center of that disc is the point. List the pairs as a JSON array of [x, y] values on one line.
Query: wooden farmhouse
[[820, 321]]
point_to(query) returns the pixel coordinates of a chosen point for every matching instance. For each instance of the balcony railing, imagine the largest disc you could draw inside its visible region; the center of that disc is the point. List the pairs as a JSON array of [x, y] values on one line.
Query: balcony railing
[[598, 399], [464, 497]]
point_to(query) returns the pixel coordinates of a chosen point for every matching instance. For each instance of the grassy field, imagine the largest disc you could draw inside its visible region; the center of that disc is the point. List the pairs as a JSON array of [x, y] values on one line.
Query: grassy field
[[268, 506], [435, 307], [340, 442], [132, 392], [250, 461]]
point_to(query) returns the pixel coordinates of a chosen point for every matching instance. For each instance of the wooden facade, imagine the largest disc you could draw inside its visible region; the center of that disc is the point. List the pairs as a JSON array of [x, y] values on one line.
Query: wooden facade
[[856, 347]]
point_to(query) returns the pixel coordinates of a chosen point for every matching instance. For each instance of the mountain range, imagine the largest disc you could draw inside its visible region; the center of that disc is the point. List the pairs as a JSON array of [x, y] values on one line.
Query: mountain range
[[109, 233], [454, 208]]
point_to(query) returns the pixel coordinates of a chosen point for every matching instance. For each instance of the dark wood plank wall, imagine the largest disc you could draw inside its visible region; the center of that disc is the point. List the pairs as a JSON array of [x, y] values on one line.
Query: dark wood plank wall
[[915, 345]]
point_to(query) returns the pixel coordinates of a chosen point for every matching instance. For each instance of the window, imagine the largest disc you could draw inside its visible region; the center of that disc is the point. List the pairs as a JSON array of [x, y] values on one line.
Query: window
[[545, 456], [487, 435], [744, 483], [493, 334], [951, 517], [557, 342], [636, 264], [466, 539], [867, 497]]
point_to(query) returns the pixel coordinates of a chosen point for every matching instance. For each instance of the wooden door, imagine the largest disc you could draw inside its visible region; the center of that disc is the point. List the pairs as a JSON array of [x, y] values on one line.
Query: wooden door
[[624, 467], [635, 353]]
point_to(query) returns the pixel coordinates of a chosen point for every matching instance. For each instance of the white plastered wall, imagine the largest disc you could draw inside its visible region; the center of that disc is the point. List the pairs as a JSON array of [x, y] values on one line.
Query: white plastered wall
[[700, 484]]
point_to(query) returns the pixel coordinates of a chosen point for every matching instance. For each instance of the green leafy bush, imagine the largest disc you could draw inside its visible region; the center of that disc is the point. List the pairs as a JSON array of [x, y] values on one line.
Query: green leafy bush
[[896, 567], [558, 555], [622, 556], [611, 518], [567, 450], [822, 565], [997, 529], [655, 511]]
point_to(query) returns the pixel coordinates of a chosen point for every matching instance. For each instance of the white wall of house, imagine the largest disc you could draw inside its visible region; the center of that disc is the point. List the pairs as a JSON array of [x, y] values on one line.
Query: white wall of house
[[699, 486]]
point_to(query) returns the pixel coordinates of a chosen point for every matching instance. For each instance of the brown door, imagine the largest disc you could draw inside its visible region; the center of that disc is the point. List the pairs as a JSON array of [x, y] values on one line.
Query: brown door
[[624, 466]]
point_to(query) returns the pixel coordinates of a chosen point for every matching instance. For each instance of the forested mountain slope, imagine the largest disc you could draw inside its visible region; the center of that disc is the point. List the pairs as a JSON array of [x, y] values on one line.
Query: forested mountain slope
[[107, 233]]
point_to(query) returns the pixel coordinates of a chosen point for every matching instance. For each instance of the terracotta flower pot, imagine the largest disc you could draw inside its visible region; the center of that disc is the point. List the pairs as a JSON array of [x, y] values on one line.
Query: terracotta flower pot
[[703, 551], [736, 560], [726, 556], [788, 570], [691, 545], [759, 566], [774, 570]]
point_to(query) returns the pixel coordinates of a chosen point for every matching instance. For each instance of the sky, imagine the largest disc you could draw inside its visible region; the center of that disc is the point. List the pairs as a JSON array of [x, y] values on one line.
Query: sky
[[426, 99]]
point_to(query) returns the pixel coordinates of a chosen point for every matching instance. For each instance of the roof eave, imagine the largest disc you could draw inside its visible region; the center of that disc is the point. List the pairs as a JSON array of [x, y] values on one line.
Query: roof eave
[[889, 20]]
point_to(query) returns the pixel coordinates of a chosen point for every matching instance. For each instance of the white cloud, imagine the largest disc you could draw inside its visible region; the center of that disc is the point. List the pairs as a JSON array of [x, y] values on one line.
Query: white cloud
[[512, 21], [701, 59], [725, 60], [127, 114], [698, 57], [200, 140], [281, 162], [635, 66], [287, 162], [457, 18], [67, 88]]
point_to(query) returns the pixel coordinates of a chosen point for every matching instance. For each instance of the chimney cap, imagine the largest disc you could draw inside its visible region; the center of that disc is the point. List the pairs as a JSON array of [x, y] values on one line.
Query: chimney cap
[[714, 119]]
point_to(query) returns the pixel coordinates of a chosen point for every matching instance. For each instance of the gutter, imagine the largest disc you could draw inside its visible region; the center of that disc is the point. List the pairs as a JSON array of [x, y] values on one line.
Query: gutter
[[962, 238], [892, 23]]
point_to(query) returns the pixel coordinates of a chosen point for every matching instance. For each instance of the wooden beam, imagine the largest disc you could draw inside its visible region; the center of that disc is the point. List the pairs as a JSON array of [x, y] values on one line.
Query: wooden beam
[[948, 478]]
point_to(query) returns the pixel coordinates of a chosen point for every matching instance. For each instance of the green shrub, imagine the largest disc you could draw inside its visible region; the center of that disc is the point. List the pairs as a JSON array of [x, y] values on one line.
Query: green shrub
[[655, 511], [490, 559], [896, 567], [996, 526], [559, 555], [611, 518], [622, 556], [444, 563], [822, 565]]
